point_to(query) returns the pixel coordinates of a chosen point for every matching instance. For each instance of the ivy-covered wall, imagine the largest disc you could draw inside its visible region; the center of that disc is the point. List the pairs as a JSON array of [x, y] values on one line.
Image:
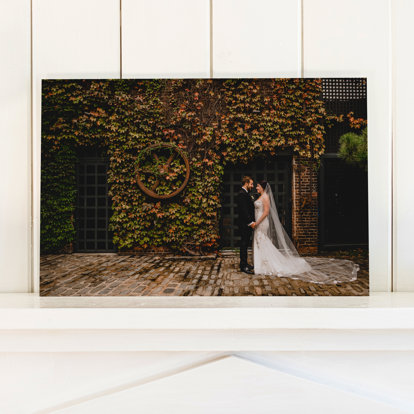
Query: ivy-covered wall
[[214, 121]]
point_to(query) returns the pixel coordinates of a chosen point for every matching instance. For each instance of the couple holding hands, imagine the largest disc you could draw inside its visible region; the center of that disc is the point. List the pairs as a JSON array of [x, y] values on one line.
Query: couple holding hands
[[273, 251]]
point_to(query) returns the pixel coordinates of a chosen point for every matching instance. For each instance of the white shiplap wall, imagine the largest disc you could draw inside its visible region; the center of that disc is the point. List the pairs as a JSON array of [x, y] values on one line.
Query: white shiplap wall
[[15, 147], [83, 39], [165, 39], [403, 93], [353, 39], [256, 38], [71, 39]]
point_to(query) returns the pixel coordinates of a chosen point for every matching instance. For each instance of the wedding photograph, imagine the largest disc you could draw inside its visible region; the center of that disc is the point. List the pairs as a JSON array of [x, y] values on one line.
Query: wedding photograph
[[204, 187], [194, 218]]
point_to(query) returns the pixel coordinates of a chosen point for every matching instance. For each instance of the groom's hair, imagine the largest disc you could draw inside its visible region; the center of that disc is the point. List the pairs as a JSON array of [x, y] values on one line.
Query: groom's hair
[[246, 179]]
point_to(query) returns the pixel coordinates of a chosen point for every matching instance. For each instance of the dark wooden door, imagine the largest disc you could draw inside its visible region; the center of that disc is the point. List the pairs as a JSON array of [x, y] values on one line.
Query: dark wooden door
[[343, 204]]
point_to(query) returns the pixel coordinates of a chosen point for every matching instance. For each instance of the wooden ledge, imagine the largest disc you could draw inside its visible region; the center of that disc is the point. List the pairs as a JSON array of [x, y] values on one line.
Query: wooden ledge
[[382, 321]]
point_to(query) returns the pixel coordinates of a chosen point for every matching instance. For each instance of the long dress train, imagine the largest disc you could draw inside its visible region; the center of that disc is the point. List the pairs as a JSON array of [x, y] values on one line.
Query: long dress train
[[270, 260]]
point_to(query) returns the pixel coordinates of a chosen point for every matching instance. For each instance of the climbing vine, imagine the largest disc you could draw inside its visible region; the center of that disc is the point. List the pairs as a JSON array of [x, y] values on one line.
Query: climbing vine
[[215, 122]]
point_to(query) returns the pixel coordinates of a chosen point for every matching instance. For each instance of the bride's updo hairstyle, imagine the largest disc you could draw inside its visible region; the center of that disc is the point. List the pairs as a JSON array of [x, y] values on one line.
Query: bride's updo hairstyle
[[263, 184]]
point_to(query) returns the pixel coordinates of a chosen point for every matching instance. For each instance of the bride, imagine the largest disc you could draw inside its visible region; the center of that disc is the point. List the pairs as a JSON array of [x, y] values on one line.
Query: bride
[[275, 254]]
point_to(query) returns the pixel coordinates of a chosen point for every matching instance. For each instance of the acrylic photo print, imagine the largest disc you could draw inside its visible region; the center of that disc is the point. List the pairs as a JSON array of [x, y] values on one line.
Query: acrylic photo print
[[204, 187]]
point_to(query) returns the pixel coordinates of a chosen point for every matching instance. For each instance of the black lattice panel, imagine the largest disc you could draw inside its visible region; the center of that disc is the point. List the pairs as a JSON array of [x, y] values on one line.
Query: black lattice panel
[[93, 207], [276, 171], [344, 88]]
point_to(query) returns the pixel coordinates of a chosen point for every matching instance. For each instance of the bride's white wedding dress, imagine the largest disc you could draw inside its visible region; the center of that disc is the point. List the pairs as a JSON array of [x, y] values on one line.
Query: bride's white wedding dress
[[275, 254]]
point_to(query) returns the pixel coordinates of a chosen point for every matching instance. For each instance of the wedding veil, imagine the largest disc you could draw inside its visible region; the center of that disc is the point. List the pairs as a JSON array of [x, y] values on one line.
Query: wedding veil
[[320, 269], [276, 231]]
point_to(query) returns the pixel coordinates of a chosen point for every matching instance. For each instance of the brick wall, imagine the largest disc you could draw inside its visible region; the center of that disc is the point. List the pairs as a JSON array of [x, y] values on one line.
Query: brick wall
[[304, 207]]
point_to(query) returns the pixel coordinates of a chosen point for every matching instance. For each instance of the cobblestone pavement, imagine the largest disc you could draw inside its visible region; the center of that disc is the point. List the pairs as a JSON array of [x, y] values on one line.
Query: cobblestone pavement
[[110, 274]]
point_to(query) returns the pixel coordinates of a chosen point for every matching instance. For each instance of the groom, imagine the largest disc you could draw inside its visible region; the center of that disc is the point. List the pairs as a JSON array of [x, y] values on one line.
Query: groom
[[246, 222]]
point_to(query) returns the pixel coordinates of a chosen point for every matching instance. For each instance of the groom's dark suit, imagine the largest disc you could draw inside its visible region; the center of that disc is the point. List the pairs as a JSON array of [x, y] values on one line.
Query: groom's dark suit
[[245, 207]]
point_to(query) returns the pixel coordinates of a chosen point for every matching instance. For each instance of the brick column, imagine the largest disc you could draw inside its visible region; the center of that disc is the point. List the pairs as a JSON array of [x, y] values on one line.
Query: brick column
[[304, 207]]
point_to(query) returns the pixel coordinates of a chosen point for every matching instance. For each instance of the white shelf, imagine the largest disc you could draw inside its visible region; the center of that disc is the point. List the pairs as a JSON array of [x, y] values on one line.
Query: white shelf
[[382, 321]]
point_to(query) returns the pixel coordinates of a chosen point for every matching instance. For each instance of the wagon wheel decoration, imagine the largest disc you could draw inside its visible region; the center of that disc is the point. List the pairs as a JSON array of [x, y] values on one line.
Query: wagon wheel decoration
[[162, 171]]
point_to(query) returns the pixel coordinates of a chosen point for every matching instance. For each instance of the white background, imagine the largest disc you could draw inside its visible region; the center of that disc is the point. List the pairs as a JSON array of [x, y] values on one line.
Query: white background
[[202, 38]]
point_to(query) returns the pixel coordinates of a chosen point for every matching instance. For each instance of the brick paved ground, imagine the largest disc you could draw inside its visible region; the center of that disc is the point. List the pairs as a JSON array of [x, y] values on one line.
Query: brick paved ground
[[110, 274]]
